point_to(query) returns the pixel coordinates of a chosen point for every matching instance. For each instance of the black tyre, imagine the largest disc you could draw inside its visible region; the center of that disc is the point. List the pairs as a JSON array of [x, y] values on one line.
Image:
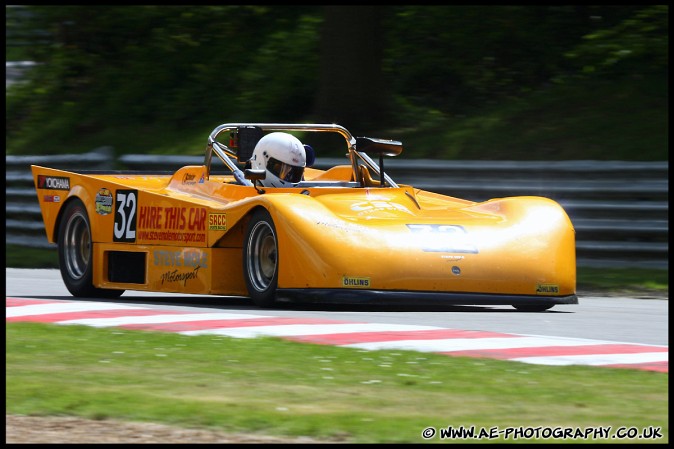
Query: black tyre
[[260, 259], [76, 253], [533, 308]]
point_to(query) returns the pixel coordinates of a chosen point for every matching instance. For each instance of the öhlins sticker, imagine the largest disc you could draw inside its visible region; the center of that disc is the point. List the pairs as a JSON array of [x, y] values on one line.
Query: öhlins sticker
[[547, 289], [355, 282]]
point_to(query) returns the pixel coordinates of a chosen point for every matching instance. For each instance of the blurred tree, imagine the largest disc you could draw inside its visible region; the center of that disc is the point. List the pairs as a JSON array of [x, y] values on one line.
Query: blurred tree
[[352, 89], [279, 81], [454, 58], [366, 67], [168, 65], [636, 45]]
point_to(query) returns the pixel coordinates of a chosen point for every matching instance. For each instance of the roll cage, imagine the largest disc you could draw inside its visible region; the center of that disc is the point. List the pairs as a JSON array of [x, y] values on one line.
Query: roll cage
[[244, 136]]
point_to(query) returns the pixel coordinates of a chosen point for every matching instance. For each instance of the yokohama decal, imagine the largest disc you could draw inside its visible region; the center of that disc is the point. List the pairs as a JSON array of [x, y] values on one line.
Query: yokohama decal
[[53, 182]]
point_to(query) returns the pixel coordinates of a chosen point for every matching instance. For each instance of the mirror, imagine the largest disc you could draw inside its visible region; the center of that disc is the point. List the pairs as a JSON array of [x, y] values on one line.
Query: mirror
[[246, 139], [379, 146]]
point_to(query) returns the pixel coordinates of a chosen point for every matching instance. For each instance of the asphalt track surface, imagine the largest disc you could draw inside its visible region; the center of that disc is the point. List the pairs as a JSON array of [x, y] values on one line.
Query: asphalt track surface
[[608, 331]]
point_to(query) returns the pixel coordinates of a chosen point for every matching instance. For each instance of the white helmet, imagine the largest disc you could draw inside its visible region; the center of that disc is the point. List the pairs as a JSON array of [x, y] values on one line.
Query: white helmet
[[284, 158]]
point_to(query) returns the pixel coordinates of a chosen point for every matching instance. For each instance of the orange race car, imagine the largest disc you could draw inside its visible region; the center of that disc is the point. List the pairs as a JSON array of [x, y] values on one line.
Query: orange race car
[[266, 225]]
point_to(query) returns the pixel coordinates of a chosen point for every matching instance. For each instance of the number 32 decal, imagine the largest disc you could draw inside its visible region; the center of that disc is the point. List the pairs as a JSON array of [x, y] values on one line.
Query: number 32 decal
[[126, 203]]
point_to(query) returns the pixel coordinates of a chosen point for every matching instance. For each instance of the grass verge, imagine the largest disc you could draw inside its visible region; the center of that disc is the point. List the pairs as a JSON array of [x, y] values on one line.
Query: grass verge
[[635, 281], [24, 257], [277, 387]]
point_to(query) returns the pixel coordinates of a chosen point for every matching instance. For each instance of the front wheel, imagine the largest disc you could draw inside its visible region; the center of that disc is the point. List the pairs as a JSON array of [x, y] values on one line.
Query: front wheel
[[75, 251], [260, 259]]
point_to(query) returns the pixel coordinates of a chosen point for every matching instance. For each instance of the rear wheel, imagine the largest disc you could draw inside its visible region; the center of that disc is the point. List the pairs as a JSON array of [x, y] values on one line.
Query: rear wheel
[[75, 251], [260, 259]]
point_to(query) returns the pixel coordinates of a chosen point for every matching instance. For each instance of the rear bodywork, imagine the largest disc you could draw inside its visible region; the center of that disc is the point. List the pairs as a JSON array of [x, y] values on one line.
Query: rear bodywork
[[341, 236]]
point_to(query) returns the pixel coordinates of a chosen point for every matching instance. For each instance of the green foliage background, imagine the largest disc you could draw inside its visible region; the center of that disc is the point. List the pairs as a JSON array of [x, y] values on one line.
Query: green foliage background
[[463, 82]]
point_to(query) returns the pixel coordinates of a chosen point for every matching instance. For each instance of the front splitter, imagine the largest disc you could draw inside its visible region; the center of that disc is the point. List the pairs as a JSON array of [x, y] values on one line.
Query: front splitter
[[337, 295]]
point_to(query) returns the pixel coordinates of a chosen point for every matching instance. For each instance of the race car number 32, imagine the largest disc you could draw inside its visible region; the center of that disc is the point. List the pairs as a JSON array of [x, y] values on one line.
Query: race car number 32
[[126, 202]]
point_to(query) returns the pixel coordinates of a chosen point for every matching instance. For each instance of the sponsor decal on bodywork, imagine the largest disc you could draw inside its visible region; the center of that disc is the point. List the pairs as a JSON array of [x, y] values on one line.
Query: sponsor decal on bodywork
[[51, 199], [355, 282], [188, 179], [345, 226], [547, 289], [370, 207], [53, 182], [217, 222], [442, 238], [104, 202], [177, 276], [185, 258], [175, 224], [157, 217]]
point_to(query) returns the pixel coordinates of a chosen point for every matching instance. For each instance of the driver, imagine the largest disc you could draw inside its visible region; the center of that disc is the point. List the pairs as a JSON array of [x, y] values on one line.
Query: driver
[[283, 156]]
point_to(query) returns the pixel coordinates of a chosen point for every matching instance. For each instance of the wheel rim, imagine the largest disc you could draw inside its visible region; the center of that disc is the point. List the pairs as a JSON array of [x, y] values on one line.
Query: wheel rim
[[262, 257], [77, 245]]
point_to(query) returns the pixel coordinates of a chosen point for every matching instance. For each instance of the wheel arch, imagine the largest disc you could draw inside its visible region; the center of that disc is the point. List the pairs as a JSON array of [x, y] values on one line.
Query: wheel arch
[[250, 212], [234, 237], [57, 223], [76, 256]]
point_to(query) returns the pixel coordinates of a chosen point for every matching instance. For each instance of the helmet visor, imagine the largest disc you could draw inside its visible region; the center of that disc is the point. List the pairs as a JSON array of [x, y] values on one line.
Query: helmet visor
[[285, 172]]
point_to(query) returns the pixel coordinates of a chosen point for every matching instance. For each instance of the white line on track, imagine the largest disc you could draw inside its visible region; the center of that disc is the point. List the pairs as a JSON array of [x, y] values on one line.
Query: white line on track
[[464, 344], [308, 329], [597, 359], [63, 307], [159, 318]]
